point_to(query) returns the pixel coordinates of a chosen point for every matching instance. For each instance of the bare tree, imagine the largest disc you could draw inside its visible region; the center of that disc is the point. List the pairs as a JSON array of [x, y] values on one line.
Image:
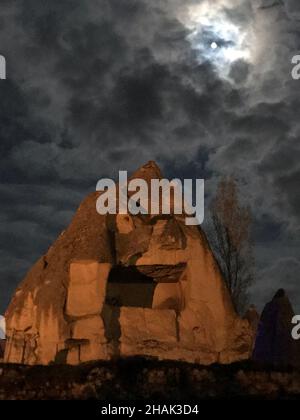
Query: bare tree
[[230, 239]]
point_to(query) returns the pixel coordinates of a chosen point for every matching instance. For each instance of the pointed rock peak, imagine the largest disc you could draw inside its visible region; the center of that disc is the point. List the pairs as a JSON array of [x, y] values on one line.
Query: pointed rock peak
[[282, 301], [148, 171], [280, 294], [274, 343]]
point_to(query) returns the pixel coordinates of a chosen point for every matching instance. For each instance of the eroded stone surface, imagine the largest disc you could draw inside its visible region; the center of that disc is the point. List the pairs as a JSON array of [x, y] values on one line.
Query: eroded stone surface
[[87, 288], [142, 325], [168, 296]]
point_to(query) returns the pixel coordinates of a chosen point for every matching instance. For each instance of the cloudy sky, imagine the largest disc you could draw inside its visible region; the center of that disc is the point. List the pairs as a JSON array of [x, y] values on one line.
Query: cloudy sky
[[202, 87]]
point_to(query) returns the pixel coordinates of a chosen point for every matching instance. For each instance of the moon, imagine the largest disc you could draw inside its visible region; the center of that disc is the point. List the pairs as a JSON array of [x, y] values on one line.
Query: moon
[[216, 38]]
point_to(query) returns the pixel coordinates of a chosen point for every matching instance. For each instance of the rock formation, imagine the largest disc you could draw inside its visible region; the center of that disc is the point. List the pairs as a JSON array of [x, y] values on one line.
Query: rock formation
[[274, 344], [252, 317], [118, 286]]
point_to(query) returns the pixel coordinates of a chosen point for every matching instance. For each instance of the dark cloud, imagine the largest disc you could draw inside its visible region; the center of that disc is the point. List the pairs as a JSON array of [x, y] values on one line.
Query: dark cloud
[[239, 71], [98, 86], [284, 272]]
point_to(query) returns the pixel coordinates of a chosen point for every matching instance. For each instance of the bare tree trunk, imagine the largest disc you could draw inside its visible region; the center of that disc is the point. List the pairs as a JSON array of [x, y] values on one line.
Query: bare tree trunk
[[230, 239]]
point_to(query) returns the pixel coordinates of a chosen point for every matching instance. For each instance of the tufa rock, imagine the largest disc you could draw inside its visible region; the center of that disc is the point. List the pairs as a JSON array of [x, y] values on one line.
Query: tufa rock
[[252, 316], [274, 344], [118, 286]]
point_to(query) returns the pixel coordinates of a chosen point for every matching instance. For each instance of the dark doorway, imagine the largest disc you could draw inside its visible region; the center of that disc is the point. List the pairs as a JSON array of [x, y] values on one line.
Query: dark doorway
[[128, 287]]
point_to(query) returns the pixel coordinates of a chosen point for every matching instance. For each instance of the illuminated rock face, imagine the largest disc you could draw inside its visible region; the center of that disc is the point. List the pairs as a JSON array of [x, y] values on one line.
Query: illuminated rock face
[[87, 288], [117, 286]]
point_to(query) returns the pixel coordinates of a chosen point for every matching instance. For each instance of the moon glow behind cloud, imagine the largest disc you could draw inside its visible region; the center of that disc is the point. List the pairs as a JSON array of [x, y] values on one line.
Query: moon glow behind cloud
[[216, 37]]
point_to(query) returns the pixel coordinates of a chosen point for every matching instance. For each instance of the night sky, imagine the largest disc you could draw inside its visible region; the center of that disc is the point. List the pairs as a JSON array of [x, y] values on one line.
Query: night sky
[[204, 88]]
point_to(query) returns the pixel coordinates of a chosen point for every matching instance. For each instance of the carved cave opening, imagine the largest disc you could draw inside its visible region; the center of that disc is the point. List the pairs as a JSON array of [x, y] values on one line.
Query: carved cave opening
[[148, 286], [127, 286], [138, 286]]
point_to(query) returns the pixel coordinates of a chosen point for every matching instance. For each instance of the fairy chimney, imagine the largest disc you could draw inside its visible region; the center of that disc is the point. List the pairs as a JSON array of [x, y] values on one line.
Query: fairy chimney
[[122, 285]]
